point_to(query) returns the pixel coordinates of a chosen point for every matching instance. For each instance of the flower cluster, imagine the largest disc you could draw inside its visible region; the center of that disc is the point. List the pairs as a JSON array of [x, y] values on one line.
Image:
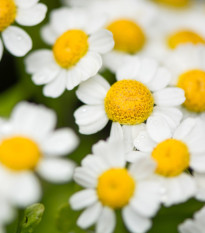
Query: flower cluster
[[137, 64]]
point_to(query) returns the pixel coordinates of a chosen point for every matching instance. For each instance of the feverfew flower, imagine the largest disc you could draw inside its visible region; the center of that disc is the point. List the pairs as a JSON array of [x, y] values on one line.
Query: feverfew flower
[[196, 224], [110, 186], [28, 143], [78, 41], [24, 12], [174, 155], [140, 94], [188, 72]]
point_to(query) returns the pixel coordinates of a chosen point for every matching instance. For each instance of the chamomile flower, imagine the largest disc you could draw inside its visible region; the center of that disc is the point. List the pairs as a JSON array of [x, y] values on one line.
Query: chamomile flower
[[29, 143], [109, 186], [26, 13], [188, 71], [140, 94], [131, 23], [196, 224], [78, 41], [174, 156]]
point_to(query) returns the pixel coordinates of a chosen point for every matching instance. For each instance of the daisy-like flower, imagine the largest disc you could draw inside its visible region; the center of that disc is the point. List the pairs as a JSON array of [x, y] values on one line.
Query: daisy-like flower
[[188, 72], [78, 41], [29, 143], [174, 156], [196, 224], [175, 29], [140, 94], [26, 13], [110, 186], [131, 23]]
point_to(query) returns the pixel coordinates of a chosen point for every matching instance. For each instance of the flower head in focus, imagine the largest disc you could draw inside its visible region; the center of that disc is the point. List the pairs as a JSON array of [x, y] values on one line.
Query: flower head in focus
[[25, 13]]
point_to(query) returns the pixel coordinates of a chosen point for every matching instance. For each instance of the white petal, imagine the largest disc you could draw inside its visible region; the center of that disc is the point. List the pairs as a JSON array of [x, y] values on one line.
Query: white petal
[[169, 97], [198, 162], [177, 191], [38, 60], [135, 222], [143, 142], [106, 222], [112, 152], [160, 80], [46, 75], [17, 41], [93, 91], [48, 34], [1, 49], [83, 199], [90, 65], [142, 168], [134, 156], [101, 41], [158, 129], [25, 189], [85, 177], [25, 3], [33, 120], [89, 216], [56, 88], [31, 16], [116, 131], [200, 181], [90, 119], [60, 142], [56, 170], [74, 77], [147, 199]]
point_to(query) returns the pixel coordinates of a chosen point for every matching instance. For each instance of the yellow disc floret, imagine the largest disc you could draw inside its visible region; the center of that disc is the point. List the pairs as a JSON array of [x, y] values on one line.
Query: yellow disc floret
[[129, 102], [128, 36], [19, 153], [193, 83], [172, 157], [184, 37], [115, 188], [70, 47], [174, 3], [7, 13]]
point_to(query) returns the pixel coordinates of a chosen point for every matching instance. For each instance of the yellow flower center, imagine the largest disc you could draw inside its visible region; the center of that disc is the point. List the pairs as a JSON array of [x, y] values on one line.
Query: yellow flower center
[[128, 36], [193, 83], [115, 188], [19, 153], [7, 13], [129, 102], [183, 37], [174, 3], [172, 157], [70, 47]]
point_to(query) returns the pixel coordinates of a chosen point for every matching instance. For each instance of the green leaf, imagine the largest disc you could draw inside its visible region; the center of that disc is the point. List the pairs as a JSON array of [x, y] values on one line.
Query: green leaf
[[66, 220], [32, 217]]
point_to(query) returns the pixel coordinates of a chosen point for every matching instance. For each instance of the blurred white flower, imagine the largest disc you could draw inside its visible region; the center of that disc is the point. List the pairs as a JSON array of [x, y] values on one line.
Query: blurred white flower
[[28, 143], [25, 13]]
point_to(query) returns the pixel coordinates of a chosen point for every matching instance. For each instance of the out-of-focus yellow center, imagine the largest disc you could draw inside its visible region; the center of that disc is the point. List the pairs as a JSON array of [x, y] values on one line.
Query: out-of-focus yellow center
[[128, 102], [128, 36], [172, 157], [183, 37], [174, 3], [115, 188], [7, 13], [19, 153], [193, 83], [70, 47]]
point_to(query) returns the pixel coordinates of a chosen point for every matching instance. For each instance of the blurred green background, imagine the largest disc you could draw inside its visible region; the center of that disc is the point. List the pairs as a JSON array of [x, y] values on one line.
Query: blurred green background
[[15, 86]]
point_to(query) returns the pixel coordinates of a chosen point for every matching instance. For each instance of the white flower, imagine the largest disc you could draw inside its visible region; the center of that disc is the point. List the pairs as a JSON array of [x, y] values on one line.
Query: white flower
[[28, 142], [110, 185], [25, 13], [132, 24], [140, 94], [174, 156], [78, 41], [187, 66], [196, 224]]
